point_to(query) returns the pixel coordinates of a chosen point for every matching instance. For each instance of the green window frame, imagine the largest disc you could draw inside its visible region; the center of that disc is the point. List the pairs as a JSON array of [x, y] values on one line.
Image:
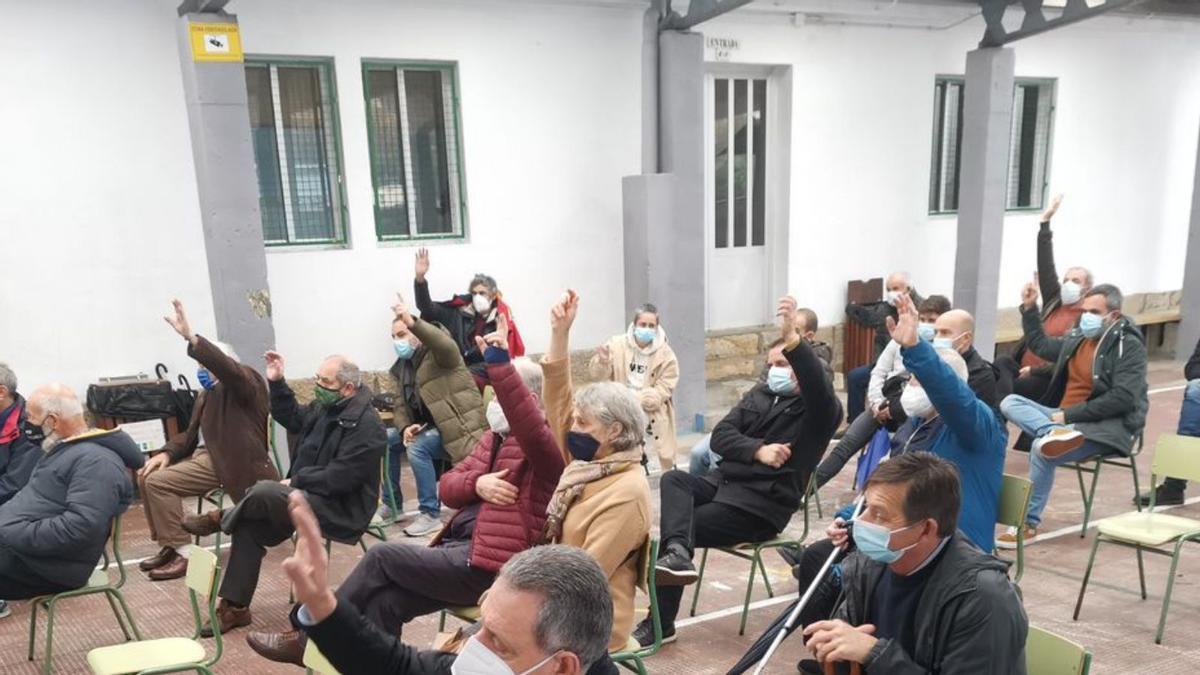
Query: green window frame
[[1029, 147], [296, 139], [414, 133]]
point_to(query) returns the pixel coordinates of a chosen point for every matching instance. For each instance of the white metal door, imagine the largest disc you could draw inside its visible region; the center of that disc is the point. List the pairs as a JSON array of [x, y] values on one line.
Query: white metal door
[[736, 200]]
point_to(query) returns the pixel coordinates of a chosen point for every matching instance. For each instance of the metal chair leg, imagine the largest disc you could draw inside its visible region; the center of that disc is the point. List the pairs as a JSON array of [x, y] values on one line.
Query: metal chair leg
[[1162, 618], [762, 568], [33, 610], [128, 615], [117, 613], [1086, 575], [48, 659], [1090, 499], [1141, 572], [699, 582], [749, 591], [1137, 489]]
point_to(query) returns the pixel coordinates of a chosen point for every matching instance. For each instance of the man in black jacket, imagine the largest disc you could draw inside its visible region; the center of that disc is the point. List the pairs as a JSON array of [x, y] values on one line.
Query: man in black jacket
[[956, 330], [549, 610], [917, 596], [340, 442], [18, 454], [769, 445], [1171, 490]]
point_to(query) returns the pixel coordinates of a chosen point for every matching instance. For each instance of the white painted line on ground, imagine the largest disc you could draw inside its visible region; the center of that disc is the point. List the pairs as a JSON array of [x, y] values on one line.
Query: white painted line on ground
[[1172, 387], [735, 610]]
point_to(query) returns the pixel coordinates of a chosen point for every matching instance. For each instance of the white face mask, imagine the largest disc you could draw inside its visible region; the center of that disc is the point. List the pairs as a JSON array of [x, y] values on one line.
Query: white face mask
[[495, 417], [481, 302], [1070, 292], [476, 659], [916, 402], [891, 297]]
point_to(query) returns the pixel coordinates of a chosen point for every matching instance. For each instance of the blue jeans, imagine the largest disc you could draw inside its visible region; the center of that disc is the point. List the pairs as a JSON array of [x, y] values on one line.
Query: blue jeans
[[425, 448], [1189, 423], [857, 382], [391, 489], [1030, 416], [1041, 473], [701, 458]]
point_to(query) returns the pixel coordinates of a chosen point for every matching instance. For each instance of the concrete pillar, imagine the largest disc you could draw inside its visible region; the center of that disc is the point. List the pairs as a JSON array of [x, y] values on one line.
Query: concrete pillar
[[664, 218], [987, 126], [215, 93], [1189, 324]]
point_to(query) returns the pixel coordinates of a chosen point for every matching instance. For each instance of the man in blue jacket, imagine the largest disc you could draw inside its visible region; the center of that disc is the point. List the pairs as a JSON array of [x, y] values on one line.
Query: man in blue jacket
[[53, 531]]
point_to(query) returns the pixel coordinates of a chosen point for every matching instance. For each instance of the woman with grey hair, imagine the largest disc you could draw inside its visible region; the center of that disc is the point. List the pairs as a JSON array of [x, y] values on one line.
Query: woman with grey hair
[[642, 360], [602, 502]]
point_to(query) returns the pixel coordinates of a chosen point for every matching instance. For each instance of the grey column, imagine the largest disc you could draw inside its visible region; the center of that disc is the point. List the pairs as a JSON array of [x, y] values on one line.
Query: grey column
[[664, 218], [1189, 308], [983, 177], [215, 94]]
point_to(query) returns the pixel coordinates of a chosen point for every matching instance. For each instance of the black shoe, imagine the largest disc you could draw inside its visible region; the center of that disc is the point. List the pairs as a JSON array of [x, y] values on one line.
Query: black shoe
[[791, 555], [644, 634], [675, 568], [809, 667], [1164, 496]]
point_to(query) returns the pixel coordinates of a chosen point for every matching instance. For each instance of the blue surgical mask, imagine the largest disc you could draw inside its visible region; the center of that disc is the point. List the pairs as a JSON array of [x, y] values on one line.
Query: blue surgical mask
[[872, 540], [925, 331], [645, 335], [779, 379], [1091, 325], [205, 378], [943, 343], [404, 349], [582, 446]]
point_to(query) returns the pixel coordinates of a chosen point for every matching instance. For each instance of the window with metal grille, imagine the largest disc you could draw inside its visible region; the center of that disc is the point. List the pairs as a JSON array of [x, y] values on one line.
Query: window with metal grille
[[294, 130], [416, 149], [739, 162], [1029, 149]]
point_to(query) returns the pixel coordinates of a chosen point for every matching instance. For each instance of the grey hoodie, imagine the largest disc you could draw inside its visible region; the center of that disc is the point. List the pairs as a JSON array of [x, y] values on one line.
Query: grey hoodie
[[59, 522]]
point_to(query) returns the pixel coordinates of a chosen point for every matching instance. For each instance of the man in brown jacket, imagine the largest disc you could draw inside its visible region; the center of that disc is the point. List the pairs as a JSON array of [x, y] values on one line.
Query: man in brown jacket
[[231, 416]]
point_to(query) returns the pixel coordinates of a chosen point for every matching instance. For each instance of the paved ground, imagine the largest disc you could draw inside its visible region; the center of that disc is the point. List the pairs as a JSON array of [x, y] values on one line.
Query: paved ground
[[1116, 624]]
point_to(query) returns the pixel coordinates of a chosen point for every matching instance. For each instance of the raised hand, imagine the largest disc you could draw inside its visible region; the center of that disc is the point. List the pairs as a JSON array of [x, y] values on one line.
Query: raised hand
[[497, 339], [562, 314], [1029, 295], [1052, 208], [493, 489], [274, 366], [787, 318], [905, 331], [604, 353], [400, 309], [421, 265], [307, 566], [179, 321]]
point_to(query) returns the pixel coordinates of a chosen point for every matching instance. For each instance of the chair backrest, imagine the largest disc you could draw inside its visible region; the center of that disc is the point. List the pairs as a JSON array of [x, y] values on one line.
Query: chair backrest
[[202, 571], [1177, 456], [315, 661], [1050, 654], [1014, 500]]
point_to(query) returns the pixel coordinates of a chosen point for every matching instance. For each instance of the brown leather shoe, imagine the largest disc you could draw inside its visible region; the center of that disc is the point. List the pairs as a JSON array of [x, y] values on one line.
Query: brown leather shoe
[[204, 524], [279, 647], [164, 556], [229, 617], [172, 570]]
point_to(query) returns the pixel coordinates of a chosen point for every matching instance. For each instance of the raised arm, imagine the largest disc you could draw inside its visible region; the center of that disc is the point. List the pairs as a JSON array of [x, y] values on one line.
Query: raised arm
[[284, 408], [1043, 345], [1047, 271], [557, 395], [525, 418]]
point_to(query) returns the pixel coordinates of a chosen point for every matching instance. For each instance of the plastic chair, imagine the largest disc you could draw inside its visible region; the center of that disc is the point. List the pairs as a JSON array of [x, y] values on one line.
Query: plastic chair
[[99, 582], [1050, 654], [315, 661], [464, 614], [1147, 531], [1093, 466], [173, 654], [631, 657], [1014, 505], [752, 551]]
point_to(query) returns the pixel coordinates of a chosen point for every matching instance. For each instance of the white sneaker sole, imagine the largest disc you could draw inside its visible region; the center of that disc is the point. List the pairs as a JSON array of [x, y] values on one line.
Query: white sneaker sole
[[668, 577], [1053, 447]]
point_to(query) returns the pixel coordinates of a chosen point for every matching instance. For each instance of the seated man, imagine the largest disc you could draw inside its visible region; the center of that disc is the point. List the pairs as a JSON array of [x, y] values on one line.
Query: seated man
[[18, 451], [1097, 399], [500, 492], [769, 445], [339, 449], [439, 410], [231, 414], [918, 597], [874, 315], [956, 330], [1170, 492], [548, 612], [53, 532]]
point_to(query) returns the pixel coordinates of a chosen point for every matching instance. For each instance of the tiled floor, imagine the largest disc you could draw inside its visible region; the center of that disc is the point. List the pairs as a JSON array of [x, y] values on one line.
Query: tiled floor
[[1116, 624]]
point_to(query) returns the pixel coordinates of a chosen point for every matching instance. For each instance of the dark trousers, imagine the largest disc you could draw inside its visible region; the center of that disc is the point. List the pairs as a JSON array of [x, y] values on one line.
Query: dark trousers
[[258, 521], [396, 583], [19, 581], [691, 519], [820, 607], [857, 381], [1032, 386]]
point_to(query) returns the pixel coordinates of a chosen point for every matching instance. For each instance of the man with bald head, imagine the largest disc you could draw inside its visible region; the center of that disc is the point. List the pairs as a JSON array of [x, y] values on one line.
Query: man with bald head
[[53, 531], [339, 443], [956, 330]]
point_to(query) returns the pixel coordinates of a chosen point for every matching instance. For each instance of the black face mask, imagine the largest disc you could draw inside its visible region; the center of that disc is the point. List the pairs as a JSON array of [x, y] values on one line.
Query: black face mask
[[33, 432], [582, 446]]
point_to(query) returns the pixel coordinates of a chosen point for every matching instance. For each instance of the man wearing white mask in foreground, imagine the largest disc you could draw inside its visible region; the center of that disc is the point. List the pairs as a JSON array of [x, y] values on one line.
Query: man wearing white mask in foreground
[[549, 611]]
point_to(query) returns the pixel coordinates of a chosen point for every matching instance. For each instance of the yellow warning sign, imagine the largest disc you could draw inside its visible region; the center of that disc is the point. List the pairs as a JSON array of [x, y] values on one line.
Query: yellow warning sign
[[216, 42]]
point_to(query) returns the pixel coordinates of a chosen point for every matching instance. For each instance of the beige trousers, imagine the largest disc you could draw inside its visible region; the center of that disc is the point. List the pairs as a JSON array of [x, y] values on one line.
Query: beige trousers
[[163, 492]]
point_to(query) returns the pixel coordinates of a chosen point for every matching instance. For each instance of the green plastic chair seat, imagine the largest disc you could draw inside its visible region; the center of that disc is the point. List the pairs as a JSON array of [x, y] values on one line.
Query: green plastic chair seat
[[1148, 529], [315, 661], [132, 657]]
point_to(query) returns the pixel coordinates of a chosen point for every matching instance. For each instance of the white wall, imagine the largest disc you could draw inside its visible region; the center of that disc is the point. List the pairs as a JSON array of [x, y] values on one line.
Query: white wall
[[1124, 145]]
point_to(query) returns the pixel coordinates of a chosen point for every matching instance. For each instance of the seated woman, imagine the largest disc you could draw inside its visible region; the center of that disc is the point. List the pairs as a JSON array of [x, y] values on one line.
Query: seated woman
[[602, 502], [642, 360], [468, 316]]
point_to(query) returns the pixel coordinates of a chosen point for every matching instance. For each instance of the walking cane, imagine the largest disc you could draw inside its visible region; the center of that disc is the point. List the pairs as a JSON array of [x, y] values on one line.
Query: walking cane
[[812, 588]]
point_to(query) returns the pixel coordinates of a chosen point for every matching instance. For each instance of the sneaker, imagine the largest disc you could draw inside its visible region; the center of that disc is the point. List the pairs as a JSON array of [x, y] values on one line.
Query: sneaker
[[424, 524], [1008, 540], [675, 568], [1057, 443], [5, 610], [1164, 495], [644, 634]]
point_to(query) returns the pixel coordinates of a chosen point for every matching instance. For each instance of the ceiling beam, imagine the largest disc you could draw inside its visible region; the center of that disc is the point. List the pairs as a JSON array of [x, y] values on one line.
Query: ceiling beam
[[996, 35], [700, 11]]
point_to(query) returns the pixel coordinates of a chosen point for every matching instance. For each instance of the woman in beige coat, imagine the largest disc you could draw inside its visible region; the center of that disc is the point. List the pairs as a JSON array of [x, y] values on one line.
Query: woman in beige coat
[[642, 360]]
